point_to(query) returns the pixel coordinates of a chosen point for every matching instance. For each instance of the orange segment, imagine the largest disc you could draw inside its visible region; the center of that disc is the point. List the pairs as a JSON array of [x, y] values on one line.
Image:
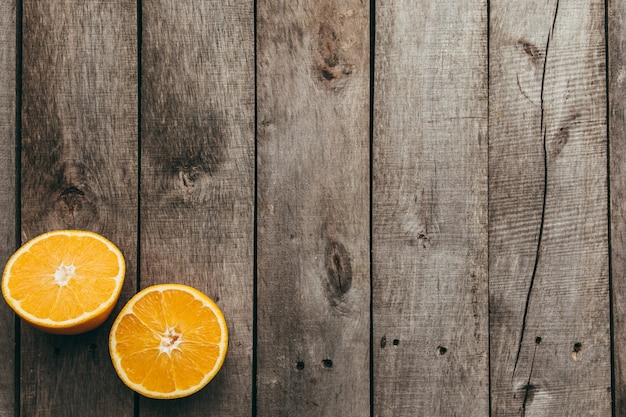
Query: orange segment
[[65, 281], [168, 341]]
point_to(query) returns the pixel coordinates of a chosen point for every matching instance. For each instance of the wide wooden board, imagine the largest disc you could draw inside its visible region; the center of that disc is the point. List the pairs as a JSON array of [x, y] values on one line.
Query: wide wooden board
[[429, 218], [313, 208], [197, 176], [79, 171], [8, 195], [548, 251]]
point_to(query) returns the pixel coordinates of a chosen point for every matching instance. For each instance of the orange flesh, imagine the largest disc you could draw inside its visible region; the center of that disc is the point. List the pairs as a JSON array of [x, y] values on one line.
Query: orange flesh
[[63, 278], [168, 341]]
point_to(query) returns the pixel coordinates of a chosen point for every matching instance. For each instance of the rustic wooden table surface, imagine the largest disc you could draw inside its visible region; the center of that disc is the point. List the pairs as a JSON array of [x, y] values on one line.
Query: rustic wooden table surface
[[404, 207]]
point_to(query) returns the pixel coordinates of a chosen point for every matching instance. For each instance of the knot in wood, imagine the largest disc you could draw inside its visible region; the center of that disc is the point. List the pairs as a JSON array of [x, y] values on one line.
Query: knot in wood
[[339, 271]]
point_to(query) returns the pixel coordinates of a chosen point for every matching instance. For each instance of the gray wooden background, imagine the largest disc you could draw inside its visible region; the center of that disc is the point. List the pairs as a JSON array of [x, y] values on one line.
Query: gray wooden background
[[404, 207]]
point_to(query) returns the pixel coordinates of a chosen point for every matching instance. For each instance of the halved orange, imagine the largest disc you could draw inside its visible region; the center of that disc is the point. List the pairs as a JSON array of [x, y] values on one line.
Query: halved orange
[[64, 281], [169, 341]]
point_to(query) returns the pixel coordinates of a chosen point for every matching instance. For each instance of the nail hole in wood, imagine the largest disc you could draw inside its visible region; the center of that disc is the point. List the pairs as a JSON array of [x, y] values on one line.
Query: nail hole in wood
[[327, 363], [538, 340], [576, 351], [396, 342], [441, 350], [300, 365]]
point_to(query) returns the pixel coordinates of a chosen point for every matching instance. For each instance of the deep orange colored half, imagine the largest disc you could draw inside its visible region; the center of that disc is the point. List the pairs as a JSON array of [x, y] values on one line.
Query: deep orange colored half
[[65, 281], [169, 341]]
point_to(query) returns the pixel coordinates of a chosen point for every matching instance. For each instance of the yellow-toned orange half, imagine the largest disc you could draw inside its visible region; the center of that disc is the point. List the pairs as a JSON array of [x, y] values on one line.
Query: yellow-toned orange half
[[64, 281], [168, 341]]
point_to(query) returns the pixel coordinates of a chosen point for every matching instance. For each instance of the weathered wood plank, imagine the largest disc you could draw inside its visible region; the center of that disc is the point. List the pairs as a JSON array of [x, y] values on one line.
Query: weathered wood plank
[[549, 301], [313, 208], [197, 176], [79, 170], [8, 235], [617, 150], [430, 209]]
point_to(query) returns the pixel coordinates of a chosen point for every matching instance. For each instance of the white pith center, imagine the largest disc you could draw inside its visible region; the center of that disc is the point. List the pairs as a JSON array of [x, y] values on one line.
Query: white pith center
[[63, 274], [170, 339]]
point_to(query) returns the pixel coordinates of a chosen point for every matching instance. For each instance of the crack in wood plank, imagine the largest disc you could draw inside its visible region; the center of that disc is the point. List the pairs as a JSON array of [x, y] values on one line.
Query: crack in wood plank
[[528, 388], [545, 194]]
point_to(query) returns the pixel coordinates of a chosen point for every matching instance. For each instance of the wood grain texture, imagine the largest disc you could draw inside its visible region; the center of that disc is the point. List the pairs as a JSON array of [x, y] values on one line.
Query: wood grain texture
[[430, 209], [617, 150], [549, 301], [197, 177], [313, 208], [79, 170], [8, 193]]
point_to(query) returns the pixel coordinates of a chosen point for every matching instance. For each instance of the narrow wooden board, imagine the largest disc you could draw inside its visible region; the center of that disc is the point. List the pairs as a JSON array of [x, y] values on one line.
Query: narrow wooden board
[[79, 170], [617, 174], [197, 176], [429, 216], [8, 193], [549, 301], [313, 208]]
